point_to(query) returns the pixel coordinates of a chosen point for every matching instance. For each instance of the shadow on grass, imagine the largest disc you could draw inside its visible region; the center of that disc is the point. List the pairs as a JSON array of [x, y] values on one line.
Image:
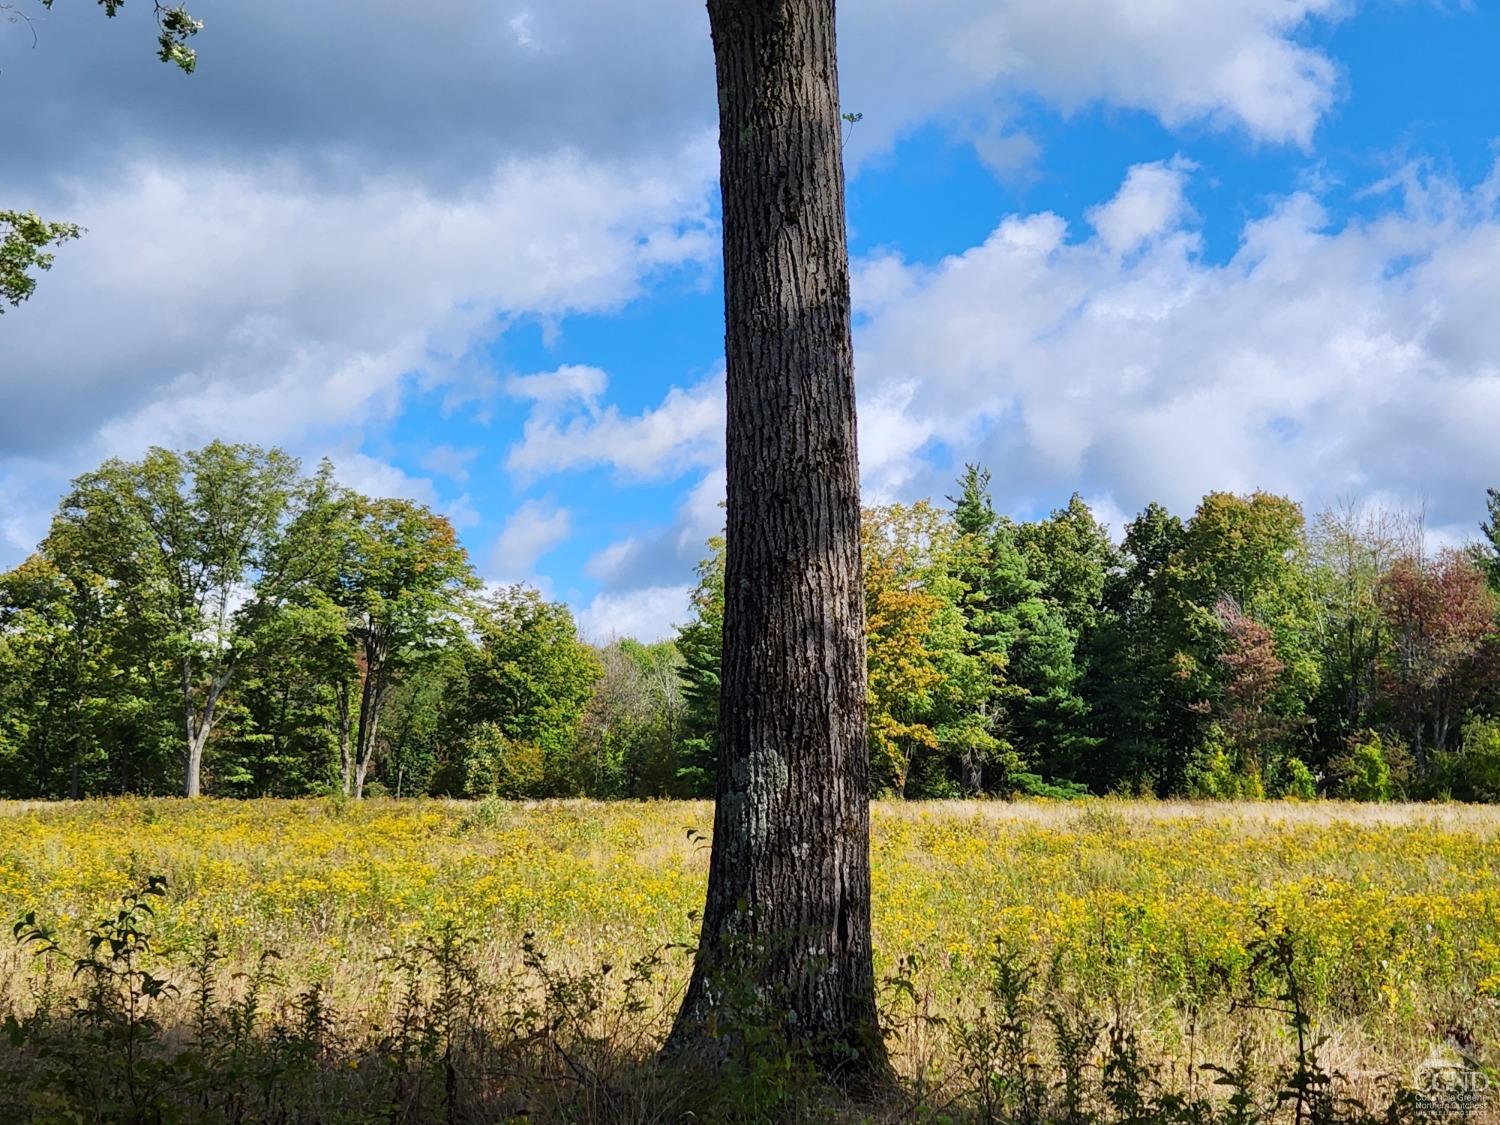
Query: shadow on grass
[[106, 1029]]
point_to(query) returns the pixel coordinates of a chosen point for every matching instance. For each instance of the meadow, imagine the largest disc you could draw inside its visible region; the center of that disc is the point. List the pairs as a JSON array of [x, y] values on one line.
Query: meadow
[[1177, 925]]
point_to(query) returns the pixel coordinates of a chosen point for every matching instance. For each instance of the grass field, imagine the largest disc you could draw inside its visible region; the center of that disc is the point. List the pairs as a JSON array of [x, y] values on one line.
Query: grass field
[[1159, 915]]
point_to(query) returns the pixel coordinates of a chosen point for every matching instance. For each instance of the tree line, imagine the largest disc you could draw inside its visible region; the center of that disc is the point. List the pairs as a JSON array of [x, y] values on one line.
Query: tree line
[[220, 621]]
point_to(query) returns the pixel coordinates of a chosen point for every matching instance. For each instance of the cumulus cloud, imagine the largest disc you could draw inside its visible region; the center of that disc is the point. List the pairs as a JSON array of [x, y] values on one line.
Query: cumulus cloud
[[257, 299], [380, 479], [1232, 64], [570, 430], [254, 305], [533, 529], [1319, 360], [1150, 202], [648, 614], [555, 391], [277, 261], [362, 87]]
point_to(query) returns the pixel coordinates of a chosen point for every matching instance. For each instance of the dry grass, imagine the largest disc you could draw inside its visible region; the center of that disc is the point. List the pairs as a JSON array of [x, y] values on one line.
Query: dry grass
[[1147, 910]]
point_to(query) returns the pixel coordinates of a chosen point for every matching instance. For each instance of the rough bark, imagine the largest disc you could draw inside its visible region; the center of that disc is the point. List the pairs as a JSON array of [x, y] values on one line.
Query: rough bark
[[788, 908]]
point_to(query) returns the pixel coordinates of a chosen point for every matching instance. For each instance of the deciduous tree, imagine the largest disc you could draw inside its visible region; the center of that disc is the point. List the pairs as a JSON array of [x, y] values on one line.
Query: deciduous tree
[[200, 548], [402, 581], [1441, 616], [25, 242], [530, 677], [789, 873]]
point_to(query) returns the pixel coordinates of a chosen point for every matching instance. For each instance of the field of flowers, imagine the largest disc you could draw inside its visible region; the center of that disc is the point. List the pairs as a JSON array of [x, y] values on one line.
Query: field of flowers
[[1155, 909]]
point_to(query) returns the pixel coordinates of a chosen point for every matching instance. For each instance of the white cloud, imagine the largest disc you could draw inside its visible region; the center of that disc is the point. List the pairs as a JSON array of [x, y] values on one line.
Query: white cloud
[[1224, 63], [261, 306], [686, 431], [1318, 361], [556, 390], [535, 528], [482, 80], [380, 479], [1149, 202], [647, 615], [266, 302]]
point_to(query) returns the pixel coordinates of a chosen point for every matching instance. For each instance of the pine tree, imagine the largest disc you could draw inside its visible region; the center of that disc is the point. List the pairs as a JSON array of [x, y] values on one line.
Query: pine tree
[[701, 644]]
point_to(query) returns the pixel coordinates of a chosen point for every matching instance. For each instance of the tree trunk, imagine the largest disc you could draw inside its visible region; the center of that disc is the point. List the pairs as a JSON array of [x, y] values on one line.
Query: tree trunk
[[346, 761], [192, 784], [199, 727], [366, 749], [789, 878], [371, 699]]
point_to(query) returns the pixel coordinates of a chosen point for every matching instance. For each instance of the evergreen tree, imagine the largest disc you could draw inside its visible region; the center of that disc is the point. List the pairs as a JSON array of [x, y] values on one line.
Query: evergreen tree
[[1146, 717], [1036, 718], [1071, 556], [700, 643], [1490, 551]]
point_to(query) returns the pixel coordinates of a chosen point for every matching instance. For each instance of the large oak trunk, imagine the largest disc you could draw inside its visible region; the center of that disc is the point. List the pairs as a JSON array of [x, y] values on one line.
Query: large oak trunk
[[789, 881]]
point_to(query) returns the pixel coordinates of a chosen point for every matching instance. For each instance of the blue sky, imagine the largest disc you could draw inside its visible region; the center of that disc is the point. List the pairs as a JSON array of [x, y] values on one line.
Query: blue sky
[[1135, 248]]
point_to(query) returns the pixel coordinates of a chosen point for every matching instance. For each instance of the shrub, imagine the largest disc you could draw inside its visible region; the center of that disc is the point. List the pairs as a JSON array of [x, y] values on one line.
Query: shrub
[[497, 766], [1473, 773], [1214, 777], [1297, 781], [1365, 770], [1033, 785]]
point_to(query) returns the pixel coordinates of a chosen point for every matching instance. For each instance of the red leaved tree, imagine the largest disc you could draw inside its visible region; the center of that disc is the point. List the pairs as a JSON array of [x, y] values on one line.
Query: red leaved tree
[[1441, 616]]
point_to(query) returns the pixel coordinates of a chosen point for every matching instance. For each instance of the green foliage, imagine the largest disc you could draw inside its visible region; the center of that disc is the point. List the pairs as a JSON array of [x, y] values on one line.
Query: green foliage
[[1472, 772], [189, 554], [495, 765], [1214, 776], [174, 26], [1489, 553], [1365, 772], [1297, 781], [530, 677], [928, 686], [1033, 785], [1021, 630], [1149, 676], [300, 638], [1071, 555], [701, 645], [1351, 552], [24, 241], [403, 582], [631, 739]]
